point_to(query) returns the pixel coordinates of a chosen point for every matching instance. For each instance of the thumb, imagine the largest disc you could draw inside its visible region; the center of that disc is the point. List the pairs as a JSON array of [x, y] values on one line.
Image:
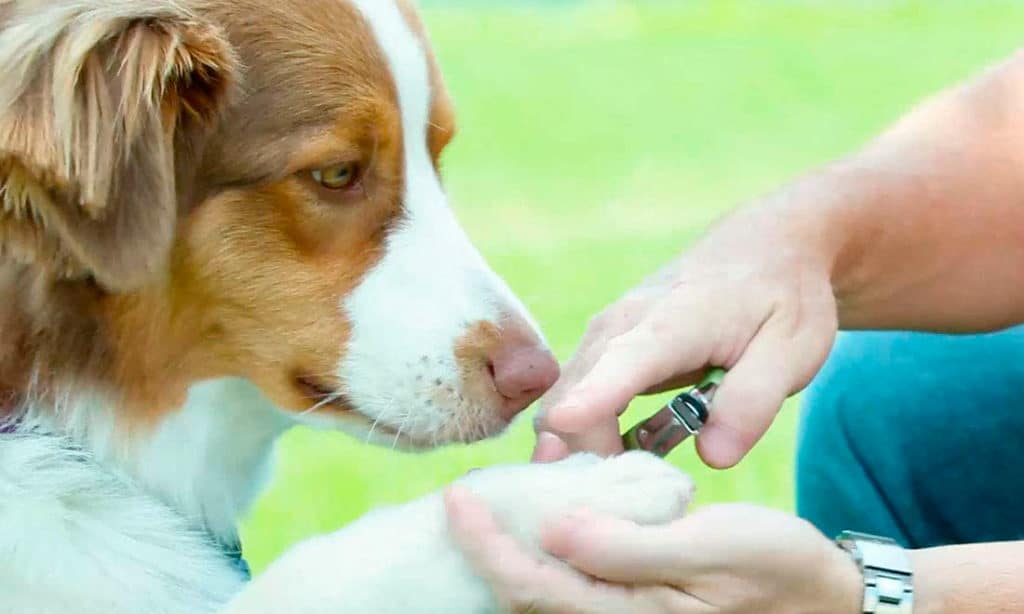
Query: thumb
[[774, 366], [549, 448], [621, 551]]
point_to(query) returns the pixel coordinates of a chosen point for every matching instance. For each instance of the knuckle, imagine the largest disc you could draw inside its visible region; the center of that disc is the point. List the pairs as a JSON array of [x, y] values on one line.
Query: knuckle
[[632, 304], [600, 323], [661, 326], [617, 317], [521, 606], [621, 343], [617, 346], [535, 607], [522, 601]]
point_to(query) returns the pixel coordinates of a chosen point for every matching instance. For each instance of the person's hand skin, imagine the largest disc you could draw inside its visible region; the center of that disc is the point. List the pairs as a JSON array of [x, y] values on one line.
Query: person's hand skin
[[752, 297], [726, 559], [923, 229], [731, 559]]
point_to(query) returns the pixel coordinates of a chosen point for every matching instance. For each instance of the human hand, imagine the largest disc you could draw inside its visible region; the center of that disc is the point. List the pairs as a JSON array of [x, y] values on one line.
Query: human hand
[[754, 297], [728, 559]]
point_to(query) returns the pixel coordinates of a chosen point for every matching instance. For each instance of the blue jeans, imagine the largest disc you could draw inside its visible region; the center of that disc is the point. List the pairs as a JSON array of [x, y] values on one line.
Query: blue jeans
[[918, 437]]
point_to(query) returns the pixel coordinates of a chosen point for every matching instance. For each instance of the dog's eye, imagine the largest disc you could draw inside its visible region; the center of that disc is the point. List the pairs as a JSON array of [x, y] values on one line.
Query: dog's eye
[[338, 176]]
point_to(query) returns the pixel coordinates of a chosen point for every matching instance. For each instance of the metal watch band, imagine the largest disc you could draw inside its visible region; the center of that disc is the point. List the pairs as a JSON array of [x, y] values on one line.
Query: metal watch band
[[888, 577]]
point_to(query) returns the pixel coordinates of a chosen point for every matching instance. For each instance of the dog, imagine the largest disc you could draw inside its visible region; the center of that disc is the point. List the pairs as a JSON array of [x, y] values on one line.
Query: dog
[[220, 219]]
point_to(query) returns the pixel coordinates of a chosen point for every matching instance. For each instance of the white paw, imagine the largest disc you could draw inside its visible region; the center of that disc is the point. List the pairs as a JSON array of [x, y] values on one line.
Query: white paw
[[635, 486], [400, 560]]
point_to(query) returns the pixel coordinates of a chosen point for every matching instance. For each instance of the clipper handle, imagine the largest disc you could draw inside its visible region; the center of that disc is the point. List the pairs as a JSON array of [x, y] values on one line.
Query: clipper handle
[[683, 416]]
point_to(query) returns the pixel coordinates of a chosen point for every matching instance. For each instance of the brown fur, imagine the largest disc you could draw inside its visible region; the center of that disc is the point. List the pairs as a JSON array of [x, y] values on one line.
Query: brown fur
[[93, 101], [247, 283], [471, 351]]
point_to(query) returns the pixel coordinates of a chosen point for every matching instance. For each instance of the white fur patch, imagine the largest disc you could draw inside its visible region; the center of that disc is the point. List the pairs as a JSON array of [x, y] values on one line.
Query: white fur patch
[[75, 537], [430, 286], [210, 459], [207, 460], [399, 560]]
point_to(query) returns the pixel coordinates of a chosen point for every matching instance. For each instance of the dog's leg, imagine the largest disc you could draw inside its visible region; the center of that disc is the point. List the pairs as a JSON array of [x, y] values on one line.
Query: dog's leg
[[399, 560]]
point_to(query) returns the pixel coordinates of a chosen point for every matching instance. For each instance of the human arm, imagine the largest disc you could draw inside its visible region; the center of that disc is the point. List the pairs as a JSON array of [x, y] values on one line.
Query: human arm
[[921, 229], [726, 559], [970, 578]]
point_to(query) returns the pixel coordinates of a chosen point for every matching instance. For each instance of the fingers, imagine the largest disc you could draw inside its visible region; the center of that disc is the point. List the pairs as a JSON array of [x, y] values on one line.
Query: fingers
[[775, 365], [612, 322], [472, 524], [620, 551], [661, 348], [603, 438], [745, 404], [528, 584], [772, 337], [549, 449], [676, 382]]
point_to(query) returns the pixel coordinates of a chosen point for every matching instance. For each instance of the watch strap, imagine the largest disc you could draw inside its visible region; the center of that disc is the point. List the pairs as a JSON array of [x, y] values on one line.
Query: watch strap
[[888, 577]]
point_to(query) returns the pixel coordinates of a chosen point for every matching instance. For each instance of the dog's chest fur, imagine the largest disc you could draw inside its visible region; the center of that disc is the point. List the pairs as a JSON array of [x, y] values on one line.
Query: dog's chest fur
[[140, 525], [79, 539]]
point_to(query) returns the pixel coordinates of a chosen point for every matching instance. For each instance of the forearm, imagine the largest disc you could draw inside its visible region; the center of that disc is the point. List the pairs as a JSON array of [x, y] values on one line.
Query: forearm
[[970, 578], [924, 228]]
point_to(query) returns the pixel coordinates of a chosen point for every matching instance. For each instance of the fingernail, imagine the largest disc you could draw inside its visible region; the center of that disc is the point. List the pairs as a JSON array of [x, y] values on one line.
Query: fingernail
[[720, 447], [454, 506], [549, 448]]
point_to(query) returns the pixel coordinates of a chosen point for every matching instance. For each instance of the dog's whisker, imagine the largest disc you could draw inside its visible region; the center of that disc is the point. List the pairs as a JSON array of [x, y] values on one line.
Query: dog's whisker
[[398, 433], [324, 395], [373, 427], [436, 126], [328, 399]]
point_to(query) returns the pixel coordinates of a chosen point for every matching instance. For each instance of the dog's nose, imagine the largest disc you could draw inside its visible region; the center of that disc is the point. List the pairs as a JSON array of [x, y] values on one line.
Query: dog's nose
[[522, 368]]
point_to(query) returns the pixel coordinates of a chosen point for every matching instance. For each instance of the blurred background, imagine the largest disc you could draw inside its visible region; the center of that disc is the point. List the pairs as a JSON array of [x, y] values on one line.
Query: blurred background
[[597, 139]]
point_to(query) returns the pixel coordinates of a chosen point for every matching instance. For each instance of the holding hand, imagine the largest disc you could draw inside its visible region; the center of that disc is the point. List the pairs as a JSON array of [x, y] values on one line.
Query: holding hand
[[728, 559], [754, 297]]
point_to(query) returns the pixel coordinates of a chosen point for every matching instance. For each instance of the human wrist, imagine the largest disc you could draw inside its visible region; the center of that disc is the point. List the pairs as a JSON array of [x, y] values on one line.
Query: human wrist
[[928, 596], [886, 569], [847, 582]]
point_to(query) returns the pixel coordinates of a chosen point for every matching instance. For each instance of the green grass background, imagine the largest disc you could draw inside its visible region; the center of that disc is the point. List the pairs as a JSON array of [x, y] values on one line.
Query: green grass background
[[597, 140]]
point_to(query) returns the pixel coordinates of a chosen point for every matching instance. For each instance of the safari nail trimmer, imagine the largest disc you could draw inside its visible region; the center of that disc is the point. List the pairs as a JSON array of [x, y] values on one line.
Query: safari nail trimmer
[[683, 416]]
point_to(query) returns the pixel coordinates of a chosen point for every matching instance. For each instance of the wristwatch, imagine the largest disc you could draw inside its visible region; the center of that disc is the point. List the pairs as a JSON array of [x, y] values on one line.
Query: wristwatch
[[888, 577]]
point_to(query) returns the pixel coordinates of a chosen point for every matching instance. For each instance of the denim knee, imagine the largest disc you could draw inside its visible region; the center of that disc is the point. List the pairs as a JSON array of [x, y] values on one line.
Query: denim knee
[[915, 436]]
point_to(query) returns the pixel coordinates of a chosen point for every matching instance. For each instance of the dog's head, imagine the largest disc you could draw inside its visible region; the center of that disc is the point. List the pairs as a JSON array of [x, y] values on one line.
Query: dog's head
[[251, 188]]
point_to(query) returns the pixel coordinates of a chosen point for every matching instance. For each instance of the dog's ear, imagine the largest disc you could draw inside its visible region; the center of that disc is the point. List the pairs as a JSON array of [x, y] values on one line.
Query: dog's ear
[[95, 98]]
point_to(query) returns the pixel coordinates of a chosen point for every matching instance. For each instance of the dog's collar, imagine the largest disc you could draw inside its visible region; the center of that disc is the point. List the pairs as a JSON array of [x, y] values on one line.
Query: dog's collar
[[233, 552]]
